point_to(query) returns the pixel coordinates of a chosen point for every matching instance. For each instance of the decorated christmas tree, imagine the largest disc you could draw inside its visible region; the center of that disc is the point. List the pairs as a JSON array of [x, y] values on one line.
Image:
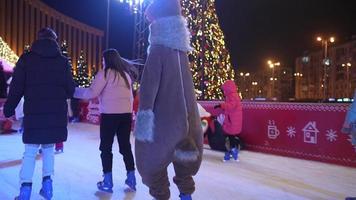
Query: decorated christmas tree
[[210, 60], [84, 79], [6, 54], [64, 50]]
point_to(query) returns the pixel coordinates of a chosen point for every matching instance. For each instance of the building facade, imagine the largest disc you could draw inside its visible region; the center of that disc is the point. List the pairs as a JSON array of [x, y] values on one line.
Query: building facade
[[274, 85], [341, 73], [21, 19]]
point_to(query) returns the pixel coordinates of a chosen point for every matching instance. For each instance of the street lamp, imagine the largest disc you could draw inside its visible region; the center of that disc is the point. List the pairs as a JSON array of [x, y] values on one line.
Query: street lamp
[[272, 66], [244, 75], [254, 88], [348, 65], [326, 61]]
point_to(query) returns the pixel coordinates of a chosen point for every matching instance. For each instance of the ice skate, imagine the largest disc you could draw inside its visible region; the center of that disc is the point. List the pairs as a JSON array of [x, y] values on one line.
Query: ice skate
[[235, 154], [185, 197], [227, 156], [25, 192], [107, 184], [47, 189], [131, 181]]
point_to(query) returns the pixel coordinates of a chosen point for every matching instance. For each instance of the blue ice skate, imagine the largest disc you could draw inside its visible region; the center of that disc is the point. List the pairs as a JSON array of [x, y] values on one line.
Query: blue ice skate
[[227, 156], [107, 184], [25, 192], [131, 181], [235, 154], [47, 189], [185, 196]]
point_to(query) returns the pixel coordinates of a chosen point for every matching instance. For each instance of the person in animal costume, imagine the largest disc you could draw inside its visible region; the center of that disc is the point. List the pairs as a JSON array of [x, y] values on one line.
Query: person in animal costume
[[168, 127], [349, 126]]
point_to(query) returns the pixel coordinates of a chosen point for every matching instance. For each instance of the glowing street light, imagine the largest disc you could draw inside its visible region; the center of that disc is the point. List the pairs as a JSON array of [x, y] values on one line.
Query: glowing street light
[[298, 74], [272, 65], [332, 39]]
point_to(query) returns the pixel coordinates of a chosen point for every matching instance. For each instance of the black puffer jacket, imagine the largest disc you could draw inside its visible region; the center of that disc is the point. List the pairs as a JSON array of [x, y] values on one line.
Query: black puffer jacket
[[43, 76]]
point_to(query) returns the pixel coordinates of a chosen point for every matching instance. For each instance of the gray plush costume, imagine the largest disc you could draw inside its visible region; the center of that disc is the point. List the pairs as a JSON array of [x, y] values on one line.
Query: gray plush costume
[[168, 128]]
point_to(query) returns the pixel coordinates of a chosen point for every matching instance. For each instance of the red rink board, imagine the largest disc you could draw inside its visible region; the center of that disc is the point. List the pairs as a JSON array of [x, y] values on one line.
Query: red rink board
[[303, 130]]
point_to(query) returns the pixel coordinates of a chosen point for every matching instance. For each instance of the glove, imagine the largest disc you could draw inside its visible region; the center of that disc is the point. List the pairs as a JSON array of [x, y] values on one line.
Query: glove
[[217, 106]]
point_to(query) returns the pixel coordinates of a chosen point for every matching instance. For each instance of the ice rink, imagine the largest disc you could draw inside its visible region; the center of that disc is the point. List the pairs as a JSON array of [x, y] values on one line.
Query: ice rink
[[257, 176]]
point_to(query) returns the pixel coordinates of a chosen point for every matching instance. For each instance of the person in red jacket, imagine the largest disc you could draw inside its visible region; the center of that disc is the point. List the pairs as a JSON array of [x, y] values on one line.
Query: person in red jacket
[[230, 118]]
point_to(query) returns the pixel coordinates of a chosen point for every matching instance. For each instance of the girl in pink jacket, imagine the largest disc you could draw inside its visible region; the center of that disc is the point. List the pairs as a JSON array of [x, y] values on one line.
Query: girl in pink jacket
[[231, 111], [113, 88]]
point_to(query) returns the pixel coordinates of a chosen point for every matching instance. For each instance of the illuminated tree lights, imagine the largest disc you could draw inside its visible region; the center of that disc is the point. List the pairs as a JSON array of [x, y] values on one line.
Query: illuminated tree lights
[[7, 54], [210, 60], [83, 77], [64, 50]]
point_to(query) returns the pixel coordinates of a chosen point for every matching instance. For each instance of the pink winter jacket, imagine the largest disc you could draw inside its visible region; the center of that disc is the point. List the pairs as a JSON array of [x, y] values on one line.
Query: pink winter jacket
[[114, 96], [231, 109]]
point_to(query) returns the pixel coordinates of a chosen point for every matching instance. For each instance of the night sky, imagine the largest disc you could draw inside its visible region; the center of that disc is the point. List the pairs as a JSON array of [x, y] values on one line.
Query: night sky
[[255, 30]]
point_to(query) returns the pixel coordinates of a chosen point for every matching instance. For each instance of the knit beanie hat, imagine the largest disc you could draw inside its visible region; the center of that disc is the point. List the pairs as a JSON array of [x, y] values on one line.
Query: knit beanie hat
[[163, 8]]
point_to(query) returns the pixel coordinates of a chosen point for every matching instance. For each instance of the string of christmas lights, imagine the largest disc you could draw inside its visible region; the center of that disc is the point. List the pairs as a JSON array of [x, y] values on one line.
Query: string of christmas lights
[[210, 61], [7, 54]]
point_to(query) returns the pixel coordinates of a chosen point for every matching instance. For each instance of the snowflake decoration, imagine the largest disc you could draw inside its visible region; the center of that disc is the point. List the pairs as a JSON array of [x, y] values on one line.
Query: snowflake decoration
[[331, 135], [291, 131]]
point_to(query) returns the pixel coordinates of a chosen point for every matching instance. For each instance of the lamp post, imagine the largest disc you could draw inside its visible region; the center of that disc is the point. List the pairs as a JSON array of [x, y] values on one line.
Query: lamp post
[[326, 62], [244, 75], [272, 66], [254, 85], [298, 76], [348, 65]]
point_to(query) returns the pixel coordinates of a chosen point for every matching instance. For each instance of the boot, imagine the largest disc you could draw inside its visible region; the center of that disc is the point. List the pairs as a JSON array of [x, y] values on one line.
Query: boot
[[227, 156], [25, 192], [131, 180], [47, 188], [235, 154], [106, 185], [185, 196]]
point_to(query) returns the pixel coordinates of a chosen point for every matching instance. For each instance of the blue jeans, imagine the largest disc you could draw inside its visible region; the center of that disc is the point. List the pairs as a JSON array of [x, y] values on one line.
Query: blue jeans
[[29, 161]]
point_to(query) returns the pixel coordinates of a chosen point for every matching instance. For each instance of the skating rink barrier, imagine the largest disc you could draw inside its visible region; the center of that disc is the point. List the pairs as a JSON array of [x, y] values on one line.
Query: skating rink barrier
[[302, 130], [309, 131]]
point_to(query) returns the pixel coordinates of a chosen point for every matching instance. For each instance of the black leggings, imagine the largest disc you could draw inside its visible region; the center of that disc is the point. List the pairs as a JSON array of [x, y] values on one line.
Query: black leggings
[[119, 125]]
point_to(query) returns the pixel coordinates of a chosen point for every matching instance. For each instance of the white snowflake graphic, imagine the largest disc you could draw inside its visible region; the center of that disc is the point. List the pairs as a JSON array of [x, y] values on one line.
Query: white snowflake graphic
[[331, 135], [291, 132]]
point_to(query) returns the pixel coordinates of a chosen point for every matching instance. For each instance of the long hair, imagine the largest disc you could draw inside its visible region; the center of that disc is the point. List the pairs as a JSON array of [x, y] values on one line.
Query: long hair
[[114, 62]]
